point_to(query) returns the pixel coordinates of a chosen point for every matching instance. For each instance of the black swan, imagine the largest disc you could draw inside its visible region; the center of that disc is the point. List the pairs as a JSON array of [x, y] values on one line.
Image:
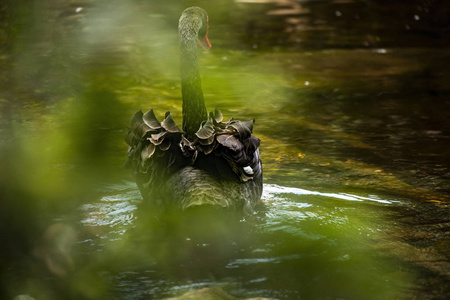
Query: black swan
[[210, 162]]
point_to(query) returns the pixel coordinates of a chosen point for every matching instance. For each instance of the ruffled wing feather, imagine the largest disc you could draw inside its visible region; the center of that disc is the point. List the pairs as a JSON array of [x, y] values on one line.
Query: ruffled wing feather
[[158, 149]]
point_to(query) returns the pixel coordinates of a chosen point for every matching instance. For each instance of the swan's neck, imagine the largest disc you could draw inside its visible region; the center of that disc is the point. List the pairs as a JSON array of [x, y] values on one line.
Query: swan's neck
[[194, 109]]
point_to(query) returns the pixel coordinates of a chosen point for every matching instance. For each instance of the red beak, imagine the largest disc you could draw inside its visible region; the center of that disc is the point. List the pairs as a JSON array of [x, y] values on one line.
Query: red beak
[[205, 42]]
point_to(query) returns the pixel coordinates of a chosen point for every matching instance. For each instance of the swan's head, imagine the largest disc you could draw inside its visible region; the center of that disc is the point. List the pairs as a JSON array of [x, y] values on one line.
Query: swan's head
[[194, 25]]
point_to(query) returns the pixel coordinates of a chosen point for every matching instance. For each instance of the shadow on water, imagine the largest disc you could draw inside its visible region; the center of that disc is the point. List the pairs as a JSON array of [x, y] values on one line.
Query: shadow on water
[[350, 100]]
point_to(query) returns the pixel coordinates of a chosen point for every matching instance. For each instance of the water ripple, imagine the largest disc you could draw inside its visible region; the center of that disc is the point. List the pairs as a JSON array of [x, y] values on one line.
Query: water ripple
[[273, 191]]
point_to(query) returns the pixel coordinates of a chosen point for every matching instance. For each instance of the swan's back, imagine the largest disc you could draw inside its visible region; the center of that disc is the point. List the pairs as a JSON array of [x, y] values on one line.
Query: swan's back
[[220, 167]]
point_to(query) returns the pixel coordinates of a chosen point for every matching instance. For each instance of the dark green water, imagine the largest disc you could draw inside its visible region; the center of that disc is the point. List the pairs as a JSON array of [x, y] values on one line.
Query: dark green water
[[351, 102]]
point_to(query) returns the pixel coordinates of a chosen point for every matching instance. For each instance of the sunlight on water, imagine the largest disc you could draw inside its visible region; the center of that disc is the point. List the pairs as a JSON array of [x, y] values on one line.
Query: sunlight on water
[[304, 234], [112, 210], [271, 190], [118, 208]]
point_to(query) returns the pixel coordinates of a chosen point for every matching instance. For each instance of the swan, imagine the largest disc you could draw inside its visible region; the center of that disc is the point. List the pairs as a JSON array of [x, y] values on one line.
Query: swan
[[209, 162]]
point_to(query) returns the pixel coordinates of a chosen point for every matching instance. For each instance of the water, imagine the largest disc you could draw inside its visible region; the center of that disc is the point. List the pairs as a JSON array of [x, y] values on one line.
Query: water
[[350, 100], [301, 244]]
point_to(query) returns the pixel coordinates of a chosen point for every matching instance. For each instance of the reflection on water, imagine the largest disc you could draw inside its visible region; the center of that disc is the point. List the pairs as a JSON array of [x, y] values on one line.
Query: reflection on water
[[351, 104], [271, 190], [112, 209], [300, 242]]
